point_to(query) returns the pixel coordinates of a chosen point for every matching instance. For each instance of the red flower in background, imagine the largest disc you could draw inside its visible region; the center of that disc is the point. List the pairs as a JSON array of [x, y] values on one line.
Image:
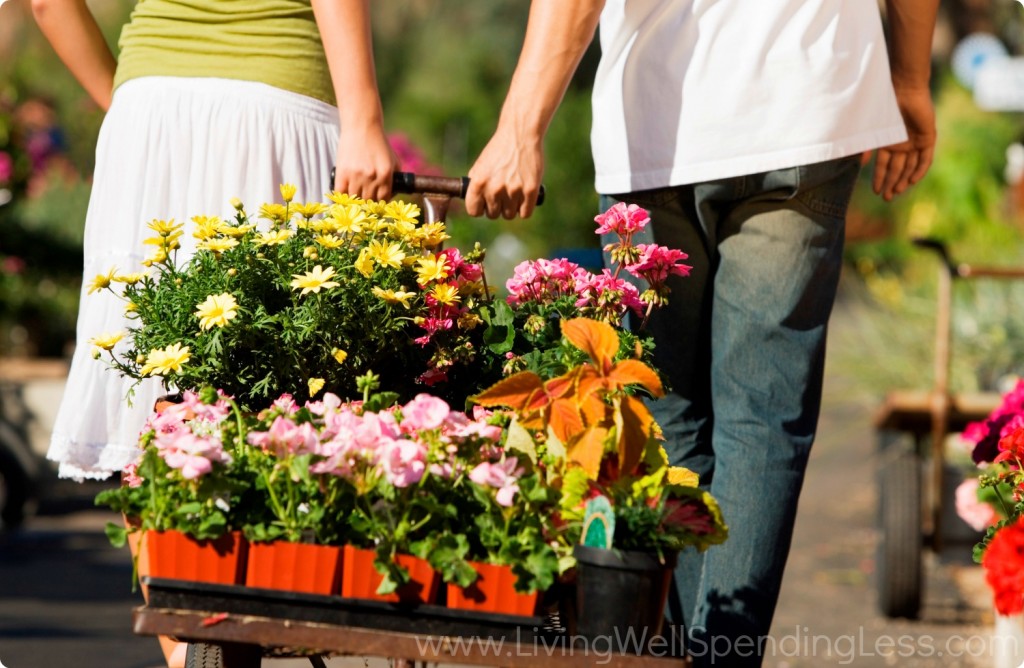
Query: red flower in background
[[1004, 568]]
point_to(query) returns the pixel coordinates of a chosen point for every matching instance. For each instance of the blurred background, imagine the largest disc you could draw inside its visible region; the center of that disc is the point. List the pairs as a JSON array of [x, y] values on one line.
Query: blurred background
[[443, 69]]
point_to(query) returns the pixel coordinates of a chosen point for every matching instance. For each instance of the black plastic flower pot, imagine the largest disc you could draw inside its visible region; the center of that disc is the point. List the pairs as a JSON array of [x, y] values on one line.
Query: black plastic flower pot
[[620, 596]]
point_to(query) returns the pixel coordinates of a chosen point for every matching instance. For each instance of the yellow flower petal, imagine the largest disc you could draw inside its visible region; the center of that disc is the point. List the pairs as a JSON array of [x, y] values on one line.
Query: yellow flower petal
[[216, 311], [315, 385]]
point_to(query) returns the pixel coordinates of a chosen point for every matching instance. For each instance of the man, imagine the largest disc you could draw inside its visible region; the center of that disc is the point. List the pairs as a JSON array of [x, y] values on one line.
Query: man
[[740, 125]]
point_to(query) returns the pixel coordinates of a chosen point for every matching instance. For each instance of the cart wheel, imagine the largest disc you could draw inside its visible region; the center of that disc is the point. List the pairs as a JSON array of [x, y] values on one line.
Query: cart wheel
[[203, 655], [899, 551]]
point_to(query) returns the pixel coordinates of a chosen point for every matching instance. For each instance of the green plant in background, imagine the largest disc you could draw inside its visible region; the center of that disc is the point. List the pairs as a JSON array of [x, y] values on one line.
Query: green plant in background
[[891, 289]]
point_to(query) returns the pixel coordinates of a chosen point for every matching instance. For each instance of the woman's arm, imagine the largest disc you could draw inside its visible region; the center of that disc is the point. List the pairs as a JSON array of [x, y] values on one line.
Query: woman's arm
[[365, 161], [72, 30]]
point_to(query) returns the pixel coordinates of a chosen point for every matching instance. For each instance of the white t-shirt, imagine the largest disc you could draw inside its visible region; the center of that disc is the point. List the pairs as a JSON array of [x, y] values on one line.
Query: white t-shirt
[[696, 90]]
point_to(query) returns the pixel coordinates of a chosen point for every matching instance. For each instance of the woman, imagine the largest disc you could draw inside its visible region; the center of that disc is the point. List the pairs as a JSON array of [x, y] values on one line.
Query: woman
[[209, 100]]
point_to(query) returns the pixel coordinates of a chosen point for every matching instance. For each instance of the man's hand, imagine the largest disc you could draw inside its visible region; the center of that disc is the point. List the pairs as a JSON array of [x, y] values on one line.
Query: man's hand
[[506, 178], [899, 166]]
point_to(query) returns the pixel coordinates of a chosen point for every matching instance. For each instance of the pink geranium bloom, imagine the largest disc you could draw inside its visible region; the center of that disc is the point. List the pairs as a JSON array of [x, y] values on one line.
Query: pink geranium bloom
[[424, 412], [404, 462], [130, 475], [622, 219], [285, 438], [502, 475], [656, 263], [610, 296], [193, 455], [975, 513]]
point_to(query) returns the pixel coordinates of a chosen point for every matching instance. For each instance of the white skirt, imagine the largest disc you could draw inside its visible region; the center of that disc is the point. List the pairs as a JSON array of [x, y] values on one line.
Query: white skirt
[[173, 148]]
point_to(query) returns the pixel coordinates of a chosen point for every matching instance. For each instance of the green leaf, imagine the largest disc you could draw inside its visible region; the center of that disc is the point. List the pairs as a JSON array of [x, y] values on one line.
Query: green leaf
[[117, 534]]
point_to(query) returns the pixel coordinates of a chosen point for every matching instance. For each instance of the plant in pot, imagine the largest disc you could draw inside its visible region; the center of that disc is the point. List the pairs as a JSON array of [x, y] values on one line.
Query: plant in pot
[[632, 511], [182, 497], [296, 528], [512, 538]]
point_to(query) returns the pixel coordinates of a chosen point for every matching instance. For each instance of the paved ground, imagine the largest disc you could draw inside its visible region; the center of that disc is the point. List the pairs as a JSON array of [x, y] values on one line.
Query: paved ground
[[65, 598]]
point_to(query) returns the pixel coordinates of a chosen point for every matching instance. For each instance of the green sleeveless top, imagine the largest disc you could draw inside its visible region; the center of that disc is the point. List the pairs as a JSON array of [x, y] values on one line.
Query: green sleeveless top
[[271, 41]]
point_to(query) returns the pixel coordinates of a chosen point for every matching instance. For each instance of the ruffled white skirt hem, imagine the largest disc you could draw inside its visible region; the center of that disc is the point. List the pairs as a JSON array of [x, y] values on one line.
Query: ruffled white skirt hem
[[173, 148]]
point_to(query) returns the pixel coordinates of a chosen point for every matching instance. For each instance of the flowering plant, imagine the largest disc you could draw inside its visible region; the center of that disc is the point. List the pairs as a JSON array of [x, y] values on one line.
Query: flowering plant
[[612, 445], [397, 479], [186, 478], [994, 502], [333, 290]]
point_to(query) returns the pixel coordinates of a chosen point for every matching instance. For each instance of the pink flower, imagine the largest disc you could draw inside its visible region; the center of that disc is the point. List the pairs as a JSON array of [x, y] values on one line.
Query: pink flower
[[502, 475], [6, 167], [285, 404], [656, 263], [424, 412], [622, 219], [130, 475], [214, 413], [404, 462], [608, 298], [285, 438], [975, 513], [193, 455]]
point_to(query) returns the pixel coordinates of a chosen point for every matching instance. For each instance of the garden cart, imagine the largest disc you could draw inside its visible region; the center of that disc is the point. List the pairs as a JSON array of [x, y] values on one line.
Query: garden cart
[[912, 428]]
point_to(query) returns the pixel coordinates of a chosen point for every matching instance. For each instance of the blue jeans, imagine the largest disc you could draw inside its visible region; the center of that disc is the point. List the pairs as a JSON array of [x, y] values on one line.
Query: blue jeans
[[742, 343]]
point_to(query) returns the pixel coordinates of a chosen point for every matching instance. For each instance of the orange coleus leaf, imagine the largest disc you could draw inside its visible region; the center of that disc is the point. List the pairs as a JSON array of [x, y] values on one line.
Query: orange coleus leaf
[[594, 409], [636, 427], [522, 392], [563, 385], [597, 339], [635, 372], [564, 419], [588, 450]]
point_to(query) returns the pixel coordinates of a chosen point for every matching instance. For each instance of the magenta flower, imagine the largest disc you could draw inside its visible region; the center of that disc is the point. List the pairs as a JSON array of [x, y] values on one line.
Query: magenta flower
[[622, 219], [6, 167], [656, 263], [606, 297]]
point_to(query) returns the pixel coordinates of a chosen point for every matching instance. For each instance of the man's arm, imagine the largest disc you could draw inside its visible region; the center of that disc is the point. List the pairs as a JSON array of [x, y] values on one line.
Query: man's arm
[[365, 161], [70, 27], [897, 167], [506, 177]]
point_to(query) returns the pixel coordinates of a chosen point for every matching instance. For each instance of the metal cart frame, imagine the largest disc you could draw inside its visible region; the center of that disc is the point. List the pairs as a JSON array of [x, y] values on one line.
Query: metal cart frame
[[911, 503]]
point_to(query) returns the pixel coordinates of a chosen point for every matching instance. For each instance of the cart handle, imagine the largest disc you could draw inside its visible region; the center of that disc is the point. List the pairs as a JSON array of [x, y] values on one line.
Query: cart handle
[[452, 186], [965, 270]]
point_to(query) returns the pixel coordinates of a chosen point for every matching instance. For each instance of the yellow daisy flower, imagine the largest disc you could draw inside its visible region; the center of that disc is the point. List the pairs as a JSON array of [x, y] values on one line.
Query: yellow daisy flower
[[375, 207], [287, 192], [403, 230], [315, 385], [329, 241], [106, 341], [236, 204], [446, 293], [164, 227], [393, 296], [386, 254], [431, 269], [218, 245], [277, 213], [402, 212], [102, 281], [309, 209], [364, 263], [206, 227], [216, 311], [162, 361], [156, 257], [349, 219], [314, 281], [432, 234], [339, 355], [273, 238], [130, 279], [344, 199], [235, 231]]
